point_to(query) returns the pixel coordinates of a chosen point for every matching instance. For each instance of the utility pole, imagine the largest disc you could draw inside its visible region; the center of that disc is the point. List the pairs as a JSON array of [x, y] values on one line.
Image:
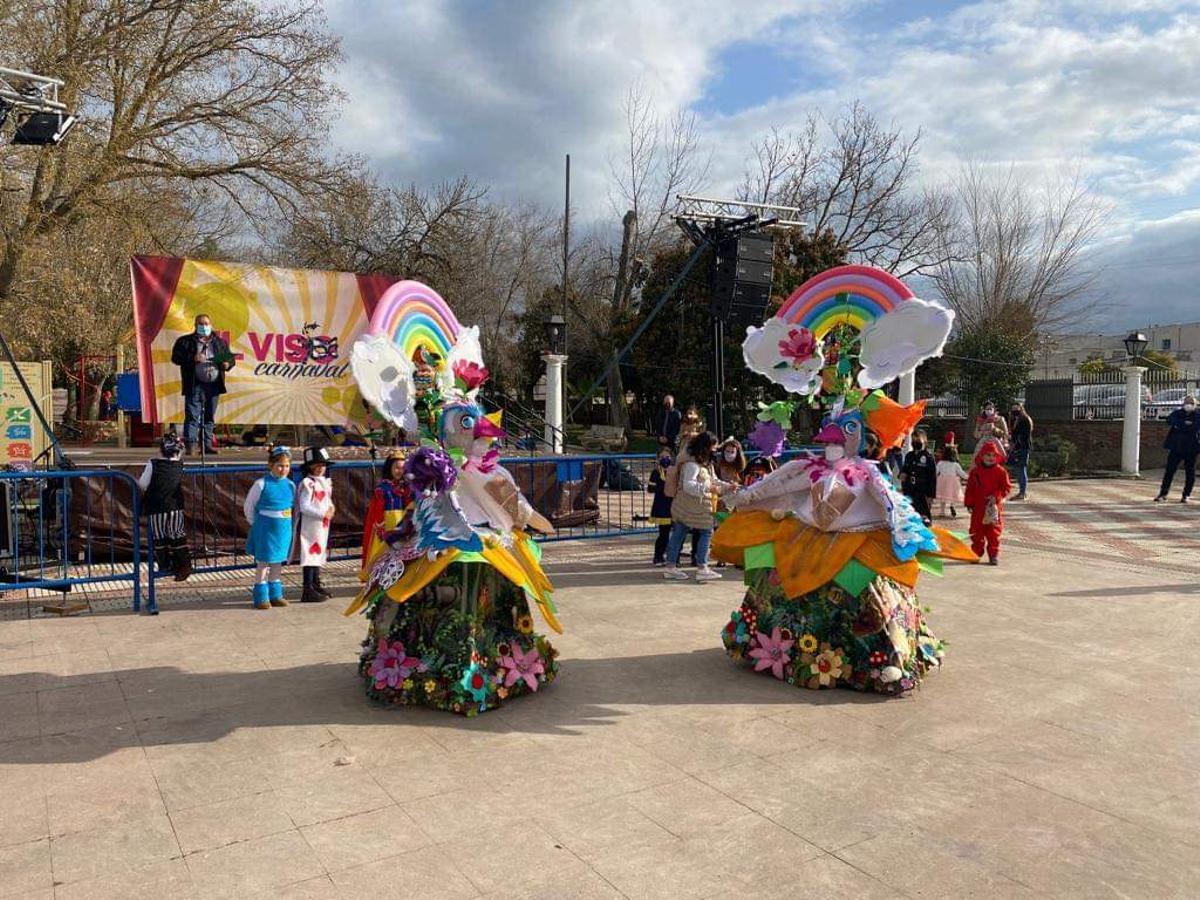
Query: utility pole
[[566, 248]]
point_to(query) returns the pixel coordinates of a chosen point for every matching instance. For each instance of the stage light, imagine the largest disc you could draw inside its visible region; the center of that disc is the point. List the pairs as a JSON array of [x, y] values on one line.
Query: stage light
[[42, 129]]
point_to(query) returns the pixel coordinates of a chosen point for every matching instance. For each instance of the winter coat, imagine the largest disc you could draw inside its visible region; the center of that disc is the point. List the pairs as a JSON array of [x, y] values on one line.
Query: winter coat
[[660, 506], [693, 504], [1184, 434], [919, 475], [183, 354]]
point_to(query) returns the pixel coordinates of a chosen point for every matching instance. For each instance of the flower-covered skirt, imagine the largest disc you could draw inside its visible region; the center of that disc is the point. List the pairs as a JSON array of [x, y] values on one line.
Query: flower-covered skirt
[[828, 637], [465, 642]]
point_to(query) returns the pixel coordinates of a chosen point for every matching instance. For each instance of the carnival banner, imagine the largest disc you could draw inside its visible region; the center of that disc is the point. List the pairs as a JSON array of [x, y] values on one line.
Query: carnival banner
[[289, 331]]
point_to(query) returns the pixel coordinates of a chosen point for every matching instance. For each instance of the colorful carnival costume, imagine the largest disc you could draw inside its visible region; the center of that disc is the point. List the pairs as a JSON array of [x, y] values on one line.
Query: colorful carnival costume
[[832, 550], [449, 579], [314, 498], [988, 486], [268, 509]]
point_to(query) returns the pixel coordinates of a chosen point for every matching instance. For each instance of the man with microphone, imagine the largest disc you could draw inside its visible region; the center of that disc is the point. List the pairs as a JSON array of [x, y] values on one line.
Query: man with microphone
[[203, 359]]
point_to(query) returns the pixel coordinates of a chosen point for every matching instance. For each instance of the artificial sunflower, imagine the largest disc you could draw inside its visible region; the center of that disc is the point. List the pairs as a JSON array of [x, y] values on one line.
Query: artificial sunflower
[[525, 624], [807, 643]]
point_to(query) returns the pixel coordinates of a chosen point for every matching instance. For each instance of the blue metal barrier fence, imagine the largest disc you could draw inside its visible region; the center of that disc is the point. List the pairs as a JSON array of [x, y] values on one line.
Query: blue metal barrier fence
[[71, 528]]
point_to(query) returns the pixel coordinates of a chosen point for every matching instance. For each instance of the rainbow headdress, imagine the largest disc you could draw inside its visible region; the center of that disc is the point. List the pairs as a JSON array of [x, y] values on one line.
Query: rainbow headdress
[[412, 348]]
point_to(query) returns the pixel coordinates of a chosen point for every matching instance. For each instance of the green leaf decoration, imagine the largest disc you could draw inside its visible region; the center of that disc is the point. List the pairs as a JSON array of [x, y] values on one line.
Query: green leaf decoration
[[854, 577], [760, 557], [931, 564]]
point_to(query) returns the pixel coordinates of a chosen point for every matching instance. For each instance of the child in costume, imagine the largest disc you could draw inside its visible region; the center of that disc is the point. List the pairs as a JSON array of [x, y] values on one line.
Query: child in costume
[[988, 486], [660, 506], [950, 478], [162, 498], [388, 502], [757, 469], [268, 509], [919, 476], [315, 500]]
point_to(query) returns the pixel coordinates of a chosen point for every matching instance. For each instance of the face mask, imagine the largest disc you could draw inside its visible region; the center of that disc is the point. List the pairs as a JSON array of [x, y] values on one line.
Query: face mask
[[1188, 407], [730, 456], [665, 461], [204, 330], [989, 412], [918, 445]]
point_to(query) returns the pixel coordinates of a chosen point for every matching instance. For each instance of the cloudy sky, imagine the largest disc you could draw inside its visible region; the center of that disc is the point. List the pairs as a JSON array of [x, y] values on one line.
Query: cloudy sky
[[500, 91]]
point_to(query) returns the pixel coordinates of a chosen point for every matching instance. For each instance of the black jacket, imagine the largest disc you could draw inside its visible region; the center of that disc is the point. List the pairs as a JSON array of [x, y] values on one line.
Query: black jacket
[[919, 474], [1022, 433], [1184, 436], [669, 424], [183, 354]]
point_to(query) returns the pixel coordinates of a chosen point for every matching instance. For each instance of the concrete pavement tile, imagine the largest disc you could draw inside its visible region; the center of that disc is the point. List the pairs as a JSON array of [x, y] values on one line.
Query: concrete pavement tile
[[18, 675], [74, 670], [213, 825], [364, 838], [250, 867], [83, 707], [113, 848], [670, 871], [445, 817], [25, 868], [321, 888], [589, 770], [19, 716], [1081, 767], [333, 794], [592, 830], [22, 809], [1176, 818], [113, 784], [427, 874], [819, 879], [583, 885], [683, 806], [721, 746], [921, 864], [515, 858], [168, 880], [196, 781]]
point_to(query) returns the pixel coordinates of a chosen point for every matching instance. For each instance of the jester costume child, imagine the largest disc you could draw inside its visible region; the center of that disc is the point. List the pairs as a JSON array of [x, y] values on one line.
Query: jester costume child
[[449, 573], [831, 549]]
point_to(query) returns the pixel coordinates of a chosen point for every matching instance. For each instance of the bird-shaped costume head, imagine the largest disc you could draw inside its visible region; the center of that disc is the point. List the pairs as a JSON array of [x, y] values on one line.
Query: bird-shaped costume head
[[844, 431], [466, 428]]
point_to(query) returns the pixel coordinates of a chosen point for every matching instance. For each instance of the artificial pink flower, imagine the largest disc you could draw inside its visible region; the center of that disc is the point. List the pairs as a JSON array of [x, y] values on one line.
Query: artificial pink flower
[[799, 345], [471, 374], [392, 664], [521, 665], [486, 463], [771, 653]]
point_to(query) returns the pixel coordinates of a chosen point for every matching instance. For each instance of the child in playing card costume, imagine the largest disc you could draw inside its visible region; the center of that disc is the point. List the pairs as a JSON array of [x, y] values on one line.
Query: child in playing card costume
[[988, 486], [315, 499]]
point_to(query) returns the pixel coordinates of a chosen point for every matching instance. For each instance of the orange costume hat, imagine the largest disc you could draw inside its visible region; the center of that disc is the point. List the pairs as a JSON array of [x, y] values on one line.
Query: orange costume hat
[[890, 420]]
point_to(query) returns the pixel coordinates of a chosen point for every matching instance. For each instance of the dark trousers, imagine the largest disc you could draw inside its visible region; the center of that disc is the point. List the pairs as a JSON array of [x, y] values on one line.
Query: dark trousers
[[200, 407], [660, 543], [1174, 458], [920, 503]]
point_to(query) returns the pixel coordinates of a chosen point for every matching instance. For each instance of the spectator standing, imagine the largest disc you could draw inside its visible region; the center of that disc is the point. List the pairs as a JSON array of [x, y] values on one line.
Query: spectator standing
[[203, 359], [669, 424], [1182, 445], [1020, 427], [731, 462], [693, 508], [991, 427]]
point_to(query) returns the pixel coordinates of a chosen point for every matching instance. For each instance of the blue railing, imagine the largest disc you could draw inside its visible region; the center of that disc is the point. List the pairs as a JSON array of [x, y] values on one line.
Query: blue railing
[[69, 528]]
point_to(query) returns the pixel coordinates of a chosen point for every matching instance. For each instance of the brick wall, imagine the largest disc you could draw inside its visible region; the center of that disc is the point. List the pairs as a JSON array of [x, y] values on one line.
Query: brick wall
[[1098, 442]]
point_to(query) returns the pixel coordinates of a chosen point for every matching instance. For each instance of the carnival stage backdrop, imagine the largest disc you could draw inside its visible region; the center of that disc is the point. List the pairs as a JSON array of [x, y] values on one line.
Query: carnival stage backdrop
[[290, 331]]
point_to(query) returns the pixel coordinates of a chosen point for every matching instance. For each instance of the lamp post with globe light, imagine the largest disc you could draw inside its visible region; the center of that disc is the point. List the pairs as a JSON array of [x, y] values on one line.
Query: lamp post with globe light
[[1131, 436]]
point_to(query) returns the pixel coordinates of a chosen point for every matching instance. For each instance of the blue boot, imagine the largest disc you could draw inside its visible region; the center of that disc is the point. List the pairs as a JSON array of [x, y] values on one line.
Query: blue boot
[[259, 595], [276, 594]]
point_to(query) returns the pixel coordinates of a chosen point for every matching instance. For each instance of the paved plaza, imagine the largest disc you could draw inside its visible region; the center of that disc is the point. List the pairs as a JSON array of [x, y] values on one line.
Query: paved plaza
[[214, 751]]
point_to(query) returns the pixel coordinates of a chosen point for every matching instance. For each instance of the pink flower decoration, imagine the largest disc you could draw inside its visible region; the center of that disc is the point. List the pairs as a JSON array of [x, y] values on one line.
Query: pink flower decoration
[[799, 345], [471, 374], [771, 653], [522, 665], [486, 463], [392, 664]]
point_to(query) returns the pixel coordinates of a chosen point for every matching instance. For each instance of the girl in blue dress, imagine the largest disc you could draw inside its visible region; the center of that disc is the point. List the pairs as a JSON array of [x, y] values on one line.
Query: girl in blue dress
[[268, 509]]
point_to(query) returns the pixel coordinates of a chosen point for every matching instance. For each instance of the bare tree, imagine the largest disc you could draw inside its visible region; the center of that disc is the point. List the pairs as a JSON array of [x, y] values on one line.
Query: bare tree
[[225, 97], [1020, 255], [854, 178]]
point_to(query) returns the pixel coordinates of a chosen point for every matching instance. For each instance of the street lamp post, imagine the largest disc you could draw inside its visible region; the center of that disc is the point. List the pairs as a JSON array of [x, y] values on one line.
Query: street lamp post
[[555, 358], [1131, 435]]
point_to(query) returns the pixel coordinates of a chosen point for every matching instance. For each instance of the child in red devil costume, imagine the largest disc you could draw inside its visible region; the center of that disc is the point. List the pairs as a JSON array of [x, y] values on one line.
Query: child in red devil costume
[[988, 485]]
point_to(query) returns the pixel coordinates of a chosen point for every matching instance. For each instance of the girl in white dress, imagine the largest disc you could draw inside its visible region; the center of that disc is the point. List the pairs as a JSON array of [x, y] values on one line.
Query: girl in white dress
[[950, 478], [315, 499]]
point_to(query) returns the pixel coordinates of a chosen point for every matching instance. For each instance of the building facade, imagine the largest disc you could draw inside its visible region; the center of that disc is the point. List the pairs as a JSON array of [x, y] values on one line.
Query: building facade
[[1062, 355]]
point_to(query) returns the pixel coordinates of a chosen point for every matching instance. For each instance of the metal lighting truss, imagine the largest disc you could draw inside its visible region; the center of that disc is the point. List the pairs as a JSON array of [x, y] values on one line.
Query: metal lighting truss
[[710, 209]]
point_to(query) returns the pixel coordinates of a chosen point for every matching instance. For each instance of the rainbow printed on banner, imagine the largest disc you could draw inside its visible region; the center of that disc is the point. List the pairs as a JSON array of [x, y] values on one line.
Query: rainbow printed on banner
[[850, 295], [414, 315]]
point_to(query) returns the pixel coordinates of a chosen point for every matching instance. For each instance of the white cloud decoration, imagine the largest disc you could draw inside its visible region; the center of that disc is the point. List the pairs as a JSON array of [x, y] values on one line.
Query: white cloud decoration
[[787, 354], [385, 379], [901, 340]]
